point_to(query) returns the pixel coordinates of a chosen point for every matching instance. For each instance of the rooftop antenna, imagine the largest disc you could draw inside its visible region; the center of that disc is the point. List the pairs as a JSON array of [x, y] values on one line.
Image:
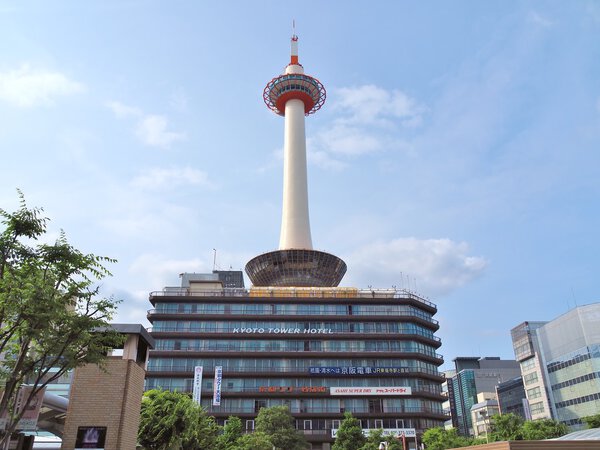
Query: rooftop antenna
[[214, 259]]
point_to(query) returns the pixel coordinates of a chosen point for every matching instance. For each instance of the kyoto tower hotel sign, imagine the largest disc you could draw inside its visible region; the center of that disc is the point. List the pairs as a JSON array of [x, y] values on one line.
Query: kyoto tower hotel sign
[[295, 95]]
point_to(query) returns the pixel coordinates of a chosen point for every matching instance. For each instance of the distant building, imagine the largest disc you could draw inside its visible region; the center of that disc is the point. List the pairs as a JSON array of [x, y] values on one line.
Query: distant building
[[527, 351], [560, 364], [475, 375], [486, 407], [512, 399]]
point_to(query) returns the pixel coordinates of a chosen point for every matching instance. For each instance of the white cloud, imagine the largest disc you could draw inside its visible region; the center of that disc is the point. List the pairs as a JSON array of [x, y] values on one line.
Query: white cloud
[[540, 20], [26, 87], [122, 111], [346, 140], [151, 129], [158, 178], [372, 104], [370, 119], [157, 271], [436, 266]]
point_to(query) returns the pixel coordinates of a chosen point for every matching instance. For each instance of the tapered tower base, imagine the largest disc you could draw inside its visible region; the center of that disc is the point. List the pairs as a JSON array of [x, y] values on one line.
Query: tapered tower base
[[308, 268]]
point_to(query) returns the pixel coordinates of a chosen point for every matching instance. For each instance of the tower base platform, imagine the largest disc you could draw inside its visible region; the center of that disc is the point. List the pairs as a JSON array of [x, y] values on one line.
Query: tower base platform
[[296, 267]]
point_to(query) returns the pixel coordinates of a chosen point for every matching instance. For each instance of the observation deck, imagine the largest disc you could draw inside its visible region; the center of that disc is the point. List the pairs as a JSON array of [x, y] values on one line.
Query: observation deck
[[294, 86]]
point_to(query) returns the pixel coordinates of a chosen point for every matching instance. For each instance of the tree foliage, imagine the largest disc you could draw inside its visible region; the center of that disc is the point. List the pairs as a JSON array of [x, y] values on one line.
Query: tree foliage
[[232, 432], [537, 430], [254, 441], [376, 437], [441, 439], [592, 421], [50, 309], [278, 424], [350, 435], [171, 420], [506, 427]]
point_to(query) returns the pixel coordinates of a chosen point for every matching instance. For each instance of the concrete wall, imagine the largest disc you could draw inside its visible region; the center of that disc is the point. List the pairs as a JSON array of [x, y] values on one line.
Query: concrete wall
[[110, 399]]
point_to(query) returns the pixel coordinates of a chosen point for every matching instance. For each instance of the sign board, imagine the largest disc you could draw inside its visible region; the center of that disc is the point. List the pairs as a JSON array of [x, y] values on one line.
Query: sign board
[[357, 370], [381, 390], [217, 386], [28, 421], [290, 389], [90, 437], [261, 330], [197, 389], [395, 432]]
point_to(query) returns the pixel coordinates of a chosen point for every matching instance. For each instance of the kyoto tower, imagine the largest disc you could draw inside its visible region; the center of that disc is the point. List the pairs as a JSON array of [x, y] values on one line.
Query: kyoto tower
[[295, 95]]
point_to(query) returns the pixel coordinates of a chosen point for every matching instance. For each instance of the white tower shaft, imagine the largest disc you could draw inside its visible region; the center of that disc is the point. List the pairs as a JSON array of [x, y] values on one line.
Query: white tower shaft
[[295, 223]]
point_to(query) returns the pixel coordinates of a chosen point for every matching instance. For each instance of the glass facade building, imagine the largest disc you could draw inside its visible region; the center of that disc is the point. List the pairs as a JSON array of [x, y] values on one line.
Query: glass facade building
[[319, 351], [475, 376], [562, 369]]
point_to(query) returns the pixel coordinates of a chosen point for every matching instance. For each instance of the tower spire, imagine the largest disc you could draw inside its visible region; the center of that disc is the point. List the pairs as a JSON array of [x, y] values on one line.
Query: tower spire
[[294, 46]]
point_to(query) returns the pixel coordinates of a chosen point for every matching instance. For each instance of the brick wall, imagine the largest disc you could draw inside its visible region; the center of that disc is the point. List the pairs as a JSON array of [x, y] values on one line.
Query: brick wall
[[110, 399]]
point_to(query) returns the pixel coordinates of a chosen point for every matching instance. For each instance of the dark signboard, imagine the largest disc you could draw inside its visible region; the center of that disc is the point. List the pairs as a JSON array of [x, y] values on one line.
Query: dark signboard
[[90, 437]]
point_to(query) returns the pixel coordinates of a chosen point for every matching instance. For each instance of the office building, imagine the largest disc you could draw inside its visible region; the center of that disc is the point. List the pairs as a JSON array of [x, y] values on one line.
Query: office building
[[512, 399], [560, 362], [475, 376]]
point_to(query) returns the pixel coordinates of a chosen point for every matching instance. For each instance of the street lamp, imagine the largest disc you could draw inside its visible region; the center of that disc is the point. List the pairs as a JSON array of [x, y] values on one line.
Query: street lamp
[[484, 414]]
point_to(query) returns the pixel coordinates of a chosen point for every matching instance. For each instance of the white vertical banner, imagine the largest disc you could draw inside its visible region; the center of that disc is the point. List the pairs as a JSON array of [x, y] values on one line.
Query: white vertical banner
[[217, 386], [197, 391]]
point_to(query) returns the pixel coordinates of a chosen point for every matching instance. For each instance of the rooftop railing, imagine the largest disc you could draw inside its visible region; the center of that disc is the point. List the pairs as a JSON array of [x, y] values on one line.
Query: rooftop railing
[[295, 293]]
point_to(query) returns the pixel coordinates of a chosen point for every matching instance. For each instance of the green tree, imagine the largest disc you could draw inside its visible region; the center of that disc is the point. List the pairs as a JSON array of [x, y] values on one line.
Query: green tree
[[506, 427], [350, 435], [254, 441], [592, 421], [277, 423], [172, 421], [441, 439], [376, 437], [537, 430], [232, 432], [50, 309]]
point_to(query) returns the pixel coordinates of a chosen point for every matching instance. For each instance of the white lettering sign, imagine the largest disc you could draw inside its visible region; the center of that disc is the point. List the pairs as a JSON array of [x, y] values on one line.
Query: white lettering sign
[[197, 389], [260, 330], [396, 432]]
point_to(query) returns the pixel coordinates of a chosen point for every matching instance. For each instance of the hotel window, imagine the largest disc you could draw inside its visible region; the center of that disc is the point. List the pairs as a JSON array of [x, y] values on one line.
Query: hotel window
[[249, 425]]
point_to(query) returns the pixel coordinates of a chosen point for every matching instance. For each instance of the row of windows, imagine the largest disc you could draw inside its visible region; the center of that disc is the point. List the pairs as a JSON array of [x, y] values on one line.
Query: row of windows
[[285, 364], [326, 425], [578, 400], [250, 384], [230, 345], [290, 327], [576, 357], [327, 405], [573, 381], [294, 309]]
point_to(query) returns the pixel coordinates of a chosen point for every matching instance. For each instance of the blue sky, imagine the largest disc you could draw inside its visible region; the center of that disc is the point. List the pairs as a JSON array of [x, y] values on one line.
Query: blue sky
[[457, 152]]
